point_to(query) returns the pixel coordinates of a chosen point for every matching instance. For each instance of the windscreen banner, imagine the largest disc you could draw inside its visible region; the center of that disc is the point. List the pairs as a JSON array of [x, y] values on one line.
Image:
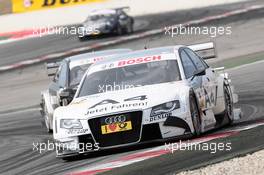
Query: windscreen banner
[[19, 6]]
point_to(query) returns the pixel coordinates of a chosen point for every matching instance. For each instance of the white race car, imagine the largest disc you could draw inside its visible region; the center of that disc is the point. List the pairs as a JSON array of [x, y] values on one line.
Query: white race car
[[148, 95]]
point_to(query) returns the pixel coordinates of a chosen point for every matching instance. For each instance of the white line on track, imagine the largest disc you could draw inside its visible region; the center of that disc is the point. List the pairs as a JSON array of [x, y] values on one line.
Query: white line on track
[[18, 111]]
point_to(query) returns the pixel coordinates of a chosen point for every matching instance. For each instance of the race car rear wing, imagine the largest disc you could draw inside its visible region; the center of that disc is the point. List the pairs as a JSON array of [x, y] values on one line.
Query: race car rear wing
[[122, 8], [204, 50], [52, 68]]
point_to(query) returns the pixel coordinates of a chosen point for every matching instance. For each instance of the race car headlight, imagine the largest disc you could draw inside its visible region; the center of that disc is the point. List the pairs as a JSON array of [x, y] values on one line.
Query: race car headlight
[[70, 124], [165, 108]]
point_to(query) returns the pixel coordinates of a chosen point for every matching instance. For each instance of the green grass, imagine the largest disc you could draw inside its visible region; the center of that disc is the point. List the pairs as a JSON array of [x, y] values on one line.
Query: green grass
[[3, 37], [238, 61]]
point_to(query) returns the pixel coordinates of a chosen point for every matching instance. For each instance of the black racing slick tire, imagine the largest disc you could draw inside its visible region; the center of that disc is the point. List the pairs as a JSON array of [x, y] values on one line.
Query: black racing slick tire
[[130, 28], [68, 159], [73, 158], [119, 30], [84, 38], [195, 114], [46, 119], [228, 113]]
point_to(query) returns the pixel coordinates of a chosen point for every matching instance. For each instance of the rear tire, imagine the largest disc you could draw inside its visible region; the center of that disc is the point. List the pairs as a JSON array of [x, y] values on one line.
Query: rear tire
[[195, 114], [119, 30], [130, 28]]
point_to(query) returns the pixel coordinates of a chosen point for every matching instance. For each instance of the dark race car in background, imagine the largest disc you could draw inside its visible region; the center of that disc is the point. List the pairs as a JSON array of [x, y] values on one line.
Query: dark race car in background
[[66, 78], [107, 21]]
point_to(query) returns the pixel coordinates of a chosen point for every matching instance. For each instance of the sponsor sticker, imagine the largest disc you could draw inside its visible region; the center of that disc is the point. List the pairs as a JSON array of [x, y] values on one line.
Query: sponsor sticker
[[77, 131], [139, 60], [134, 61], [116, 123], [159, 117], [116, 127], [110, 105]]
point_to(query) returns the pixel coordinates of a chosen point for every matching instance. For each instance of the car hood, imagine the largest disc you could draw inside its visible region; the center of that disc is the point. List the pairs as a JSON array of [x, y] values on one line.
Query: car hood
[[138, 98]]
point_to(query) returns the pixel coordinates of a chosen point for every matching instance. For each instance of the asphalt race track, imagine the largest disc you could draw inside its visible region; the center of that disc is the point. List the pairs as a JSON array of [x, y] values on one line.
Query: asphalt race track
[[35, 47], [19, 129]]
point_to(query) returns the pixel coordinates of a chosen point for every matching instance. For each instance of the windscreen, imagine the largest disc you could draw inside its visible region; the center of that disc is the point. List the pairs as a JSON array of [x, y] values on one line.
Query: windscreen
[[76, 74], [130, 77], [99, 16]]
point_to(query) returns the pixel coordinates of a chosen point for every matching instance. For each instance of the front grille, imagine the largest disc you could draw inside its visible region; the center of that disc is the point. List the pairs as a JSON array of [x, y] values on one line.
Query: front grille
[[117, 138]]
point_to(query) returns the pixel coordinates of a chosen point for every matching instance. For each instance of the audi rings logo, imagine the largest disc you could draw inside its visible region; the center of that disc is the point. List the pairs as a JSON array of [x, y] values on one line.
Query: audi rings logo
[[115, 119]]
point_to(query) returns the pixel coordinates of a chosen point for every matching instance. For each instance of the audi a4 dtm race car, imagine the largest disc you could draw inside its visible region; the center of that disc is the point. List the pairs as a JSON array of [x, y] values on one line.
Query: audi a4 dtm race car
[[148, 95], [66, 78]]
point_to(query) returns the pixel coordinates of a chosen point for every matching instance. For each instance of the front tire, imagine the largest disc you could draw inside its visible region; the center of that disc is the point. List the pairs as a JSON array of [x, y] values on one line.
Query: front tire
[[68, 159], [46, 119], [82, 39], [195, 114], [72, 158], [228, 113]]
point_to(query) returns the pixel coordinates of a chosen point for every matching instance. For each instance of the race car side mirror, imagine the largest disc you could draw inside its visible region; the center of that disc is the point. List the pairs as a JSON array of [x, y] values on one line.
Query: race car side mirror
[[64, 93], [66, 96], [198, 73]]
